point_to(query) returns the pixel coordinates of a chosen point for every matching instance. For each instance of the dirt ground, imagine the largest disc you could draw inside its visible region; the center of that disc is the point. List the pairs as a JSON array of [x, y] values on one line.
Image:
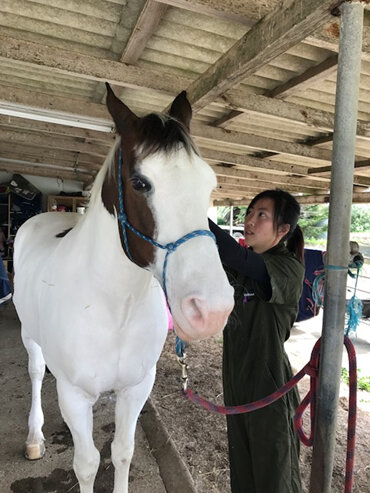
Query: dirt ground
[[156, 467], [200, 436]]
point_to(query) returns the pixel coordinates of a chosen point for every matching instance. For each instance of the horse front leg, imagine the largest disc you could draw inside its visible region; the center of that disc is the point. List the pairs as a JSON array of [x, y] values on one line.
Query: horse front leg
[[35, 448], [130, 401], [76, 409]]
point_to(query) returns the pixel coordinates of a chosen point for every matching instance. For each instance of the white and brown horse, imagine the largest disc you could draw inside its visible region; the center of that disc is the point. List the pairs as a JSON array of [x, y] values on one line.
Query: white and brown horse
[[88, 289]]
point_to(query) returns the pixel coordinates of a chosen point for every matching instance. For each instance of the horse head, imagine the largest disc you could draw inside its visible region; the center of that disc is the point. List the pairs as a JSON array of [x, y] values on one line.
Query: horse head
[[159, 192]]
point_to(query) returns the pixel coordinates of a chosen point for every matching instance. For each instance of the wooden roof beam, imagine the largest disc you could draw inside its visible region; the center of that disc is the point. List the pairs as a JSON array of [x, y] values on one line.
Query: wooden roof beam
[[88, 67], [243, 160], [222, 9], [236, 184], [15, 123], [303, 81], [43, 169], [146, 26], [357, 198], [41, 141], [322, 121], [271, 178], [56, 156], [248, 12], [202, 132], [328, 38], [325, 169], [284, 27], [79, 65], [307, 80]]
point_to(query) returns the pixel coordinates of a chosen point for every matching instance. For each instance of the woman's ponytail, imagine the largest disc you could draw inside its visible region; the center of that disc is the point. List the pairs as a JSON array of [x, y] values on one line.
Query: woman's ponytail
[[295, 243]]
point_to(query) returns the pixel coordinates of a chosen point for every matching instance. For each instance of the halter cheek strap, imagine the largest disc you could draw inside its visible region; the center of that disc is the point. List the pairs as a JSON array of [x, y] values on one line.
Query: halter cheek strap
[[169, 247]]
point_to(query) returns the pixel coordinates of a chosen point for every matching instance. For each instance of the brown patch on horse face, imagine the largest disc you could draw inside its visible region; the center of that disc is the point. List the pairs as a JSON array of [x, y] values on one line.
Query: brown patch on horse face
[[135, 203], [151, 133]]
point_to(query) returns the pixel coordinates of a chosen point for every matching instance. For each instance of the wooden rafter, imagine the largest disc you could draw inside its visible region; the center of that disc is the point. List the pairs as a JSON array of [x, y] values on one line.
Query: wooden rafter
[[358, 198], [203, 132], [248, 12], [325, 169], [238, 100], [44, 169], [243, 160], [243, 185], [226, 10], [307, 80], [89, 67], [281, 110], [39, 140], [144, 29], [284, 27], [57, 156], [45, 128], [275, 178]]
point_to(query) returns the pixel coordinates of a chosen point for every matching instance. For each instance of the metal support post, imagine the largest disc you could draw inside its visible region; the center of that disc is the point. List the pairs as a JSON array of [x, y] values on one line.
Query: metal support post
[[338, 244]]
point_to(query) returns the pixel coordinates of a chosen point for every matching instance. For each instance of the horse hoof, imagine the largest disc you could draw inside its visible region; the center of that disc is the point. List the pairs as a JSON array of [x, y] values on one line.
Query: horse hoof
[[35, 452]]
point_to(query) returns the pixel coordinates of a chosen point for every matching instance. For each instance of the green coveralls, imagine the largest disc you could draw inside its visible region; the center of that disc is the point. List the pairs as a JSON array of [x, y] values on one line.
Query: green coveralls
[[263, 446]]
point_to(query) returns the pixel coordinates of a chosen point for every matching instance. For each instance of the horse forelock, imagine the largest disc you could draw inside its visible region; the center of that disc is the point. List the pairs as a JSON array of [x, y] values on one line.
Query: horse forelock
[[158, 132]]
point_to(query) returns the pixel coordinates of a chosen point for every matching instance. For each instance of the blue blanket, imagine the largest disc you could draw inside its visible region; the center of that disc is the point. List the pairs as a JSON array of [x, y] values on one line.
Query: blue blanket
[[313, 262]]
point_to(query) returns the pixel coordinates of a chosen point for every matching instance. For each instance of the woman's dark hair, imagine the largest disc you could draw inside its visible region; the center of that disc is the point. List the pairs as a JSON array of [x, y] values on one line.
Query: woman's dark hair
[[286, 211]]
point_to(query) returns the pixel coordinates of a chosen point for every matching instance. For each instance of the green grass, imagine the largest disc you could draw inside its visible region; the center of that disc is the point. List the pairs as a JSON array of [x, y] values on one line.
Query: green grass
[[363, 383]]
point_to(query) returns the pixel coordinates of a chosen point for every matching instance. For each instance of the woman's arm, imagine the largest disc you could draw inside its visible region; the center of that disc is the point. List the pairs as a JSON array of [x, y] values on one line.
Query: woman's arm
[[241, 259]]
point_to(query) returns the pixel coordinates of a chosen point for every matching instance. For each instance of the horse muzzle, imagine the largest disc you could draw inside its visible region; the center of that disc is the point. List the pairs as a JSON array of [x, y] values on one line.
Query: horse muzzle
[[198, 320]]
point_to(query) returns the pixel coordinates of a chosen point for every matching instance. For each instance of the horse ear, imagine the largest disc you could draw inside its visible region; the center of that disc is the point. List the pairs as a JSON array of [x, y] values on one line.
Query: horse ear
[[122, 116], [181, 109]]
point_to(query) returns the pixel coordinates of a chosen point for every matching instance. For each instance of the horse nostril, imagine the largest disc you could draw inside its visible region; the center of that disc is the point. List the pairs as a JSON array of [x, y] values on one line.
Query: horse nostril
[[193, 306], [194, 309], [204, 320]]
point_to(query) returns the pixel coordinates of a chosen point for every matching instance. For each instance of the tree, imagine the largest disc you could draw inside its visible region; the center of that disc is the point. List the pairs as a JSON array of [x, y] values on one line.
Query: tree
[[223, 215], [314, 221], [360, 219]]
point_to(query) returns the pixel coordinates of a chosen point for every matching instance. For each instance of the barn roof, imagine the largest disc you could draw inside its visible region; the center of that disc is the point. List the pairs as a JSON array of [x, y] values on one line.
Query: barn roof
[[260, 74]]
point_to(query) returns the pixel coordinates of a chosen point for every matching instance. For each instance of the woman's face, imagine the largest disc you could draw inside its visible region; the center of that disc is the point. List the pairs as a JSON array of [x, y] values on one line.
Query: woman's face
[[259, 229]]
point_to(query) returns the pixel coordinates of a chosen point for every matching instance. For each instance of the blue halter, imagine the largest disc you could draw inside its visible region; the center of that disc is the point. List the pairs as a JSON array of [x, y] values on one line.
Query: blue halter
[[170, 247]]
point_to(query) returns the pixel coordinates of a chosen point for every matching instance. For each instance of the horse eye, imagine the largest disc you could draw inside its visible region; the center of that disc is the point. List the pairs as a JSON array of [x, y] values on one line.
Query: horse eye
[[140, 184]]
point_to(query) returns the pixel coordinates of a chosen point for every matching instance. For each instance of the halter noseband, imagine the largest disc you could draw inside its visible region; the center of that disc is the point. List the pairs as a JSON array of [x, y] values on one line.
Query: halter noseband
[[170, 247]]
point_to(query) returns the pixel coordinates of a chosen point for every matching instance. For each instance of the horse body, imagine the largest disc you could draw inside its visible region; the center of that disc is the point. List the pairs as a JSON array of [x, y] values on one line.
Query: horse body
[[103, 307], [91, 304]]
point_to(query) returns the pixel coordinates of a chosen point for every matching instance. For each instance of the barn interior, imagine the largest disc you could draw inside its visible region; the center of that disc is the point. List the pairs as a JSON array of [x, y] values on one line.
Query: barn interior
[[261, 76]]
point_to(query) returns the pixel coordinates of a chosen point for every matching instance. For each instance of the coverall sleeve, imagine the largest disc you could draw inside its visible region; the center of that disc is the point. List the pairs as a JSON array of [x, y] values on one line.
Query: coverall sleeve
[[286, 274], [241, 259]]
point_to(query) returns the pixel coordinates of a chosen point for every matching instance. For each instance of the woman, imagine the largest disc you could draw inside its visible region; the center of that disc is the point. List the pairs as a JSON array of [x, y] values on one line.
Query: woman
[[267, 278]]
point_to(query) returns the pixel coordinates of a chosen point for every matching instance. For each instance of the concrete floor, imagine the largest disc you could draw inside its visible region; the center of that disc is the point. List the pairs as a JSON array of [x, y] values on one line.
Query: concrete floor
[[303, 338], [304, 335], [54, 472]]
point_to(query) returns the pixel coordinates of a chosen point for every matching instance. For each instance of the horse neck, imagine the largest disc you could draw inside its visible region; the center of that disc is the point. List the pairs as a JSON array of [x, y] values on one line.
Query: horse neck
[[105, 256]]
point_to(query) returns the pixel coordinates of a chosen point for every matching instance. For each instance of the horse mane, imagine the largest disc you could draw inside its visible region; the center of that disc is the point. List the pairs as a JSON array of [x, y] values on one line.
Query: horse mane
[[100, 177], [63, 233], [157, 132]]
